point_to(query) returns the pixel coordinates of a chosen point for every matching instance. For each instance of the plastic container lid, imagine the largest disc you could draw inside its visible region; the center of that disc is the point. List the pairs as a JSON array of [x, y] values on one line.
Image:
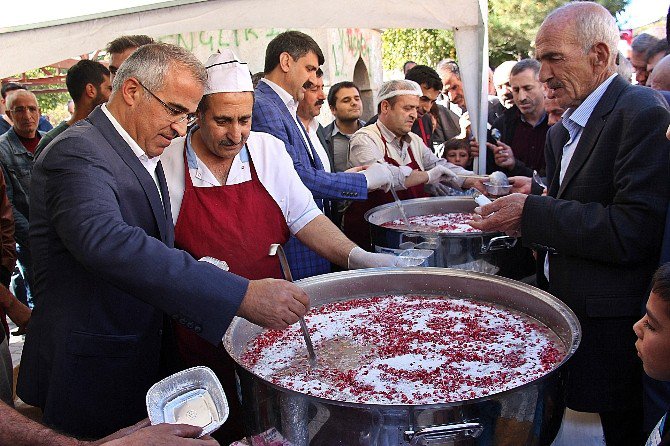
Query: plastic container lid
[[193, 396]]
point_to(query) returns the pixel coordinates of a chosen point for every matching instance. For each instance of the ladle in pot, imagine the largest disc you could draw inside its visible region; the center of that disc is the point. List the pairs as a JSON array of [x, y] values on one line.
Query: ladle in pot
[[275, 249], [398, 203]]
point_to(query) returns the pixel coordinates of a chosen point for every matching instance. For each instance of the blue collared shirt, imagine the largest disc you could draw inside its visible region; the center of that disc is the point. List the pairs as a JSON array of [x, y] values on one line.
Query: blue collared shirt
[[574, 121]]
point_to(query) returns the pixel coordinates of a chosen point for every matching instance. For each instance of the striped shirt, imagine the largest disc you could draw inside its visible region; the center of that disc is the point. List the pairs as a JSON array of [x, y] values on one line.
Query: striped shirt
[[574, 120]]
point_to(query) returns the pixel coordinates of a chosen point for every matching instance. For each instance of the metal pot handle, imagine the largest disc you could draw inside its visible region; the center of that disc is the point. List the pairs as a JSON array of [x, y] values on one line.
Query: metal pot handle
[[429, 435], [498, 243]]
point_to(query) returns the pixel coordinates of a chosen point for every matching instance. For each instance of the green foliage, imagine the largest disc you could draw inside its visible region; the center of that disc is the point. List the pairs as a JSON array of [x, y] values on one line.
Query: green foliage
[[52, 104], [423, 46], [52, 101], [512, 28]]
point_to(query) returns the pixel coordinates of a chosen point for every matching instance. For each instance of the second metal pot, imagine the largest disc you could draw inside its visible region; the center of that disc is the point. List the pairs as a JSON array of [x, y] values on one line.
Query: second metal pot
[[468, 251]]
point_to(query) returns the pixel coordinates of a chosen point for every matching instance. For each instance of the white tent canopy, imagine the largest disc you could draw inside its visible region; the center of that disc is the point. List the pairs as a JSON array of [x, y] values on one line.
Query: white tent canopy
[[31, 46]]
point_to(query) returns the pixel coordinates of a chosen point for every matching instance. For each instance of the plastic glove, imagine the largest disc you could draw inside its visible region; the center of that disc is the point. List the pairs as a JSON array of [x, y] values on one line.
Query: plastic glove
[[435, 174], [437, 190], [221, 264], [359, 258], [442, 174], [378, 176]]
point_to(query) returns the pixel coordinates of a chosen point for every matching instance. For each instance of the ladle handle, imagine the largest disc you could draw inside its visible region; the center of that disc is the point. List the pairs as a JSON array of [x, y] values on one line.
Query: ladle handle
[[277, 249]]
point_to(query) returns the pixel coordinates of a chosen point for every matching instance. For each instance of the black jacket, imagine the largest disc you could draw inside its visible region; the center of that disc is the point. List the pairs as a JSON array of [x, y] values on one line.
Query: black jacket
[[603, 225], [507, 124]]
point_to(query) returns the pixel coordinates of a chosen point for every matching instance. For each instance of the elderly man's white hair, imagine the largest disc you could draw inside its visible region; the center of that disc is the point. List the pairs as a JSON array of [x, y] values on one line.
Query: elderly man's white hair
[[398, 87], [16, 94], [593, 24]]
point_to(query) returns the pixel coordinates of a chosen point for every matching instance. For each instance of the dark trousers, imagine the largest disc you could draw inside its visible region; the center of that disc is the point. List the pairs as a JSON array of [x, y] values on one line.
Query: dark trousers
[[623, 428]]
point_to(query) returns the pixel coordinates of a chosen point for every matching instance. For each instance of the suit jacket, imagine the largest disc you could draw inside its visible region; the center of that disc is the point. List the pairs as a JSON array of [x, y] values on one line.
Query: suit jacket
[[106, 273], [270, 115], [447, 126], [665, 250], [326, 143], [604, 225]]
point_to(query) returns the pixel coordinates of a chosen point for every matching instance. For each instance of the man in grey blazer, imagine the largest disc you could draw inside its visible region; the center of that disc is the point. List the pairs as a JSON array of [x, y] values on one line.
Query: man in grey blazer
[[108, 279], [602, 221]]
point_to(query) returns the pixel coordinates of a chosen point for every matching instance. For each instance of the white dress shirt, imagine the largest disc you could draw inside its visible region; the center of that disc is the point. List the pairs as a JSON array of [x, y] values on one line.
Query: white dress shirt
[[148, 163], [316, 143], [273, 165]]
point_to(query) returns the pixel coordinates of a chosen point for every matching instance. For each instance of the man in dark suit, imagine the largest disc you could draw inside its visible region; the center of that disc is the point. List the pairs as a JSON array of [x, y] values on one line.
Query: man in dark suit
[[108, 279], [291, 60], [602, 221]]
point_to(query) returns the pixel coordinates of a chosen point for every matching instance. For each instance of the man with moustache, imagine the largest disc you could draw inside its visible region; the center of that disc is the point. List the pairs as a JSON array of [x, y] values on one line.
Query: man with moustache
[[391, 141], [602, 220], [523, 128], [291, 60], [108, 278], [344, 100], [17, 155], [308, 110], [431, 86], [264, 202], [5, 121]]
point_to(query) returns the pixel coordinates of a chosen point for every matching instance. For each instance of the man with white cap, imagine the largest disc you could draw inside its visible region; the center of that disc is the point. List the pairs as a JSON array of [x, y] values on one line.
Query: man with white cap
[[411, 162], [233, 193]]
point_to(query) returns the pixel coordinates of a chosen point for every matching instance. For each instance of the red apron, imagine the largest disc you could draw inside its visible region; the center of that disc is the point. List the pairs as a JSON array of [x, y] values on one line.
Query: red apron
[[354, 225], [236, 223]]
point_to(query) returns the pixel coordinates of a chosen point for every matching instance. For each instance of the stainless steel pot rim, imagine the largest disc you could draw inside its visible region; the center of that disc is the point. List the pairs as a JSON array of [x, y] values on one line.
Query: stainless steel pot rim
[[547, 298], [419, 201]]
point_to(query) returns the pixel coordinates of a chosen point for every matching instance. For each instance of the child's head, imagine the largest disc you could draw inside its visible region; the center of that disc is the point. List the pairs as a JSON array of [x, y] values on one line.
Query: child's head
[[653, 330], [457, 151]]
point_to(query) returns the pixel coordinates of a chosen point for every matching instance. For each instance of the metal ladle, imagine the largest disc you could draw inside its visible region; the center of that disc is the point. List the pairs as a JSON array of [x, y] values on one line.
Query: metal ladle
[[401, 208], [278, 249]]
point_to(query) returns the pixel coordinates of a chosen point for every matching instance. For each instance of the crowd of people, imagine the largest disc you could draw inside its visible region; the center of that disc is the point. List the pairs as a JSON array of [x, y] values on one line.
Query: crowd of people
[[165, 163]]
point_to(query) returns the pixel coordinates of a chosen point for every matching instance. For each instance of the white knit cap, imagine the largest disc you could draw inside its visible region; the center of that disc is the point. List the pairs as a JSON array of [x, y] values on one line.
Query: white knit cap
[[398, 87], [226, 74]]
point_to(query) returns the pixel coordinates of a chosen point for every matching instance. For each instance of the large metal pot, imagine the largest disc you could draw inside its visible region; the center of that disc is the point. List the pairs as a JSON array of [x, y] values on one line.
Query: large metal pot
[[469, 251], [526, 415]]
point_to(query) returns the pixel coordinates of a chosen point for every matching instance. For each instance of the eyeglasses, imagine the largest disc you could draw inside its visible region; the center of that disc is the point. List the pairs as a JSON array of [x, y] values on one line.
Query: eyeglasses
[[19, 110], [178, 114]]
